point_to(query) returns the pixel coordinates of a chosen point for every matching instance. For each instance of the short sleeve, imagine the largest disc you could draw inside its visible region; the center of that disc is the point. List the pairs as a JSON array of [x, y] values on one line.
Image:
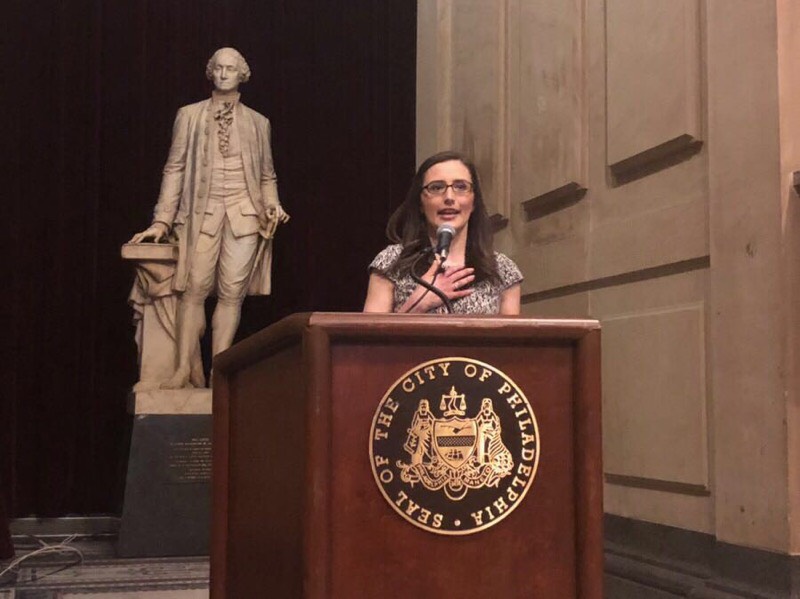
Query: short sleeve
[[509, 272], [385, 259]]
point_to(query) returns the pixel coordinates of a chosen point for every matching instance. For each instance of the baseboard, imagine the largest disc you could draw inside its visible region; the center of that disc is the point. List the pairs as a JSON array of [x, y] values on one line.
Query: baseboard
[[652, 561], [88, 526]]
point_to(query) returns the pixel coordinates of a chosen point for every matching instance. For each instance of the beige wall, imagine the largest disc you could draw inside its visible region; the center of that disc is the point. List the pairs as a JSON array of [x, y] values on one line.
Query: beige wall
[[681, 119], [789, 98]]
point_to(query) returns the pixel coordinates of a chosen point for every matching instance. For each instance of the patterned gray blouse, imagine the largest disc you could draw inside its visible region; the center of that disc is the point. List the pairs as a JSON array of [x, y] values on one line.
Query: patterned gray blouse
[[485, 299]]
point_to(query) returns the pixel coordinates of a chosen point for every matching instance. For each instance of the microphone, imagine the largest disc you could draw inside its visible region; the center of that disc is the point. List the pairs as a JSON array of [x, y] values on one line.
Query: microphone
[[444, 237]]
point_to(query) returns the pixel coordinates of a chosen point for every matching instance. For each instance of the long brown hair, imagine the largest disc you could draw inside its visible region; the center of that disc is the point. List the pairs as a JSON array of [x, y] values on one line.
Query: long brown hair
[[408, 227]]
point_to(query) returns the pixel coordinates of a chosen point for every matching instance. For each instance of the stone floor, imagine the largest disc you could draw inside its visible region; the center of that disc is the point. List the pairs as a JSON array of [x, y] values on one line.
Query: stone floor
[[97, 573]]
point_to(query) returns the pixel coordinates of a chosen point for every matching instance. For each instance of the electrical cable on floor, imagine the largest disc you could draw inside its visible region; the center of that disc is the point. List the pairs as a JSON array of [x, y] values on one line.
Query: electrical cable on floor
[[62, 547]]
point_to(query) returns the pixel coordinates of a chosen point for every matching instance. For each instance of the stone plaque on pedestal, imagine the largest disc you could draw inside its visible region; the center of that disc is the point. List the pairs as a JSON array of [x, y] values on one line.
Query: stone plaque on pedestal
[[167, 505]]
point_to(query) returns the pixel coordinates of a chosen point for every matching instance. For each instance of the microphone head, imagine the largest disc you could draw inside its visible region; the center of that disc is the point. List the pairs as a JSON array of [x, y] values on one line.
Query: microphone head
[[446, 229], [444, 235]]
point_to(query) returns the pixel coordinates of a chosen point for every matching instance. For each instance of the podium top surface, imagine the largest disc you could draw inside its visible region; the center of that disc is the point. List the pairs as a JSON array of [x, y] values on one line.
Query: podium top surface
[[476, 320], [402, 326], [360, 321]]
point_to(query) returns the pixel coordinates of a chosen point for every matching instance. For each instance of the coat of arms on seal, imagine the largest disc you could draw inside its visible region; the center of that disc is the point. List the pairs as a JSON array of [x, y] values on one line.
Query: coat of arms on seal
[[454, 446]]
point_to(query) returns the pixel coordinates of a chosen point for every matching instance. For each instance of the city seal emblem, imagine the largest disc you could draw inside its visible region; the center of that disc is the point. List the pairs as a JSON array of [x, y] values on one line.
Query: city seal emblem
[[454, 446]]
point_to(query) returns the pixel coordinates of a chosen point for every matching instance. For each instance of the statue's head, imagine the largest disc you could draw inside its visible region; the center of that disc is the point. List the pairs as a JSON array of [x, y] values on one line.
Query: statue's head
[[227, 68]]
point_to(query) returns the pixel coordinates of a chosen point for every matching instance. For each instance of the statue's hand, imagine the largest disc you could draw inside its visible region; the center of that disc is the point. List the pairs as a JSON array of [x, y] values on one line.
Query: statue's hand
[[269, 220], [263, 220], [156, 232], [281, 215]]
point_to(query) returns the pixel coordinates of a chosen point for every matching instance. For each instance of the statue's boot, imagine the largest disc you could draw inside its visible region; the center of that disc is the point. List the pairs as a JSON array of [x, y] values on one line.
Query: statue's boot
[[224, 324], [191, 324], [223, 328], [197, 377]]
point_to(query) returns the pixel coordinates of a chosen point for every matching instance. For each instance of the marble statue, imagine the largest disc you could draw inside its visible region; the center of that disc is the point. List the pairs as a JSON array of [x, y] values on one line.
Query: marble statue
[[219, 197]]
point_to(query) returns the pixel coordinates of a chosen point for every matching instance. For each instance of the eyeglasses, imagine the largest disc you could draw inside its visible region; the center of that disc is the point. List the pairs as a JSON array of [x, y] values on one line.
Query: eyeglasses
[[438, 188]]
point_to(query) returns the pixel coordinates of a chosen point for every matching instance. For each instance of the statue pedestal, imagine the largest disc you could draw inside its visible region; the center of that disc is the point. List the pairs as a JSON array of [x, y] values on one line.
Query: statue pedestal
[[167, 505]]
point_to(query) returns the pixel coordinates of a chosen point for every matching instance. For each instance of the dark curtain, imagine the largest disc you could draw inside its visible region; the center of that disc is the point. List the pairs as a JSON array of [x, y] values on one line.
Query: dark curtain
[[91, 90]]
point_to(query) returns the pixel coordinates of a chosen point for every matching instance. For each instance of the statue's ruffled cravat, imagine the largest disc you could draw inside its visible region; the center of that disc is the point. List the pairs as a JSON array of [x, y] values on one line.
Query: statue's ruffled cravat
[[224, 117]]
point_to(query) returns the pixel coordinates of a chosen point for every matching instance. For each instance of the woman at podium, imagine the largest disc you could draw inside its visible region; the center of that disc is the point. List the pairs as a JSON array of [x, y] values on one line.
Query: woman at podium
[[441, 259]]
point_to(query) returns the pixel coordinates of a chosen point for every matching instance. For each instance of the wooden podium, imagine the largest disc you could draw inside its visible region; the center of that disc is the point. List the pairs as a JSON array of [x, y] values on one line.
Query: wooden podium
[[298, 511]]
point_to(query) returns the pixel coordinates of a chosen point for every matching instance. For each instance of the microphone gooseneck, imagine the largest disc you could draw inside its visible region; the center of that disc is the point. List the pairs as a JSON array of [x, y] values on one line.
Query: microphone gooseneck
[[429, 287]]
